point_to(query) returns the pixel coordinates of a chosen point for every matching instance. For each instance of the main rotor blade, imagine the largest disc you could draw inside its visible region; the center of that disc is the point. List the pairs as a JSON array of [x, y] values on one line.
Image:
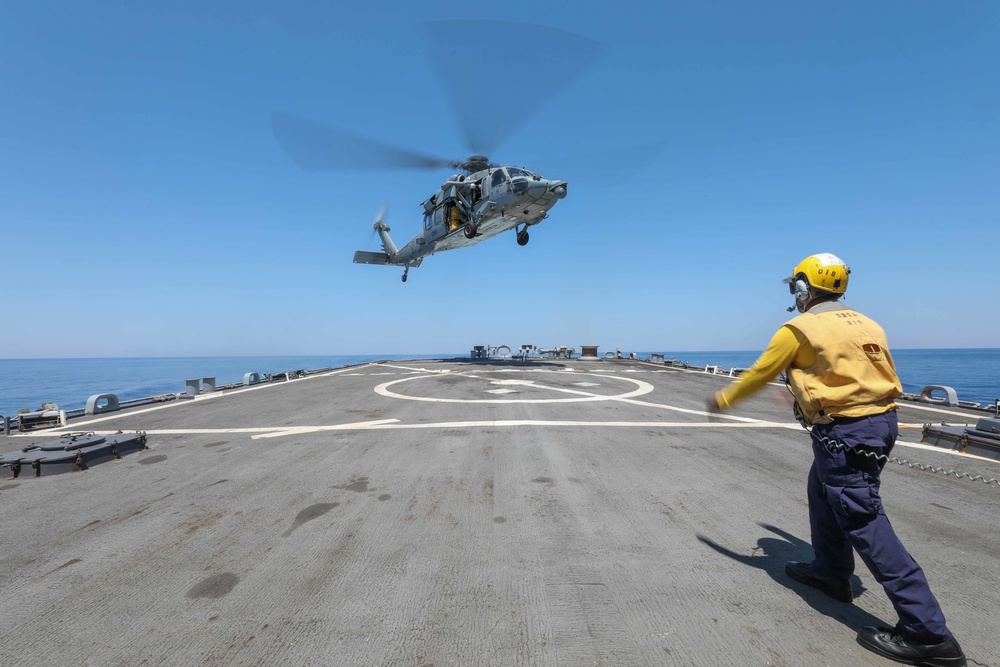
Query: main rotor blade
[[606, 166], [315, 146], [499, 73]]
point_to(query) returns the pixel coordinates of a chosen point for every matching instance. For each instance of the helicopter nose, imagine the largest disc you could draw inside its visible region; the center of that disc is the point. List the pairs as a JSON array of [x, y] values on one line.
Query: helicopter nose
[[559, 190]]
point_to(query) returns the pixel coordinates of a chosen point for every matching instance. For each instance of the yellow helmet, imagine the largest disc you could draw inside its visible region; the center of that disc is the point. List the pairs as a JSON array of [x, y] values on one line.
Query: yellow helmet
[[824, 272]]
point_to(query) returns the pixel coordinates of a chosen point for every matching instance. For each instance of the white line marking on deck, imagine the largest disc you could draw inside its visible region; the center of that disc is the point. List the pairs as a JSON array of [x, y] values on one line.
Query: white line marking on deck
[[126, 412], [932, 448], [643, 388], [393, 424], [388, 424], [433, 371], [297, 430], [918, 406]]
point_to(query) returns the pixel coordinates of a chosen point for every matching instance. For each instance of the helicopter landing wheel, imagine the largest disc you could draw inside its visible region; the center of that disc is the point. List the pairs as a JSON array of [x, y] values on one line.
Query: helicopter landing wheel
[[522, 237], [405, 271], [470, 230]]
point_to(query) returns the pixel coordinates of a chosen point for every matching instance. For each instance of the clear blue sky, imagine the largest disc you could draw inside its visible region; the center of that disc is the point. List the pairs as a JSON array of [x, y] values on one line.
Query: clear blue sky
[[146, 208]]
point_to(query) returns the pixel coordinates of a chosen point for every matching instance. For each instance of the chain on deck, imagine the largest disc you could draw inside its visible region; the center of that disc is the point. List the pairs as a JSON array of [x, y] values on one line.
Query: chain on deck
[[830, 442]]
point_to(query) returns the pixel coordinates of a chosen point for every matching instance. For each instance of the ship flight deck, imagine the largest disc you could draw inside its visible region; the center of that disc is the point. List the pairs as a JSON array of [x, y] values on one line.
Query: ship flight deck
[[540, 512]]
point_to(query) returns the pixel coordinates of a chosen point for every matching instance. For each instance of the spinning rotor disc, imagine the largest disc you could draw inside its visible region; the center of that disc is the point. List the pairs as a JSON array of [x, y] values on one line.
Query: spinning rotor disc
[[540, 62]]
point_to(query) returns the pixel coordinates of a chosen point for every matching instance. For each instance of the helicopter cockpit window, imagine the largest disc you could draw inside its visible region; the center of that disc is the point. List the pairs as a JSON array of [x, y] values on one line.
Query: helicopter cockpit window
[[518, 180], [497, 178]]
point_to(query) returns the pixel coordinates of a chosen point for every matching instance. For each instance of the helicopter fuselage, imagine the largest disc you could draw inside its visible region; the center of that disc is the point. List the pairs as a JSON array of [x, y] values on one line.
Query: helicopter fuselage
[[468, 209]]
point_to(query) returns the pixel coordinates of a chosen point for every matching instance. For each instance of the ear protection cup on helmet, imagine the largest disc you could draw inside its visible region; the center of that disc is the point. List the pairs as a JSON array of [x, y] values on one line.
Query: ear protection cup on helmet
[[802, 294]]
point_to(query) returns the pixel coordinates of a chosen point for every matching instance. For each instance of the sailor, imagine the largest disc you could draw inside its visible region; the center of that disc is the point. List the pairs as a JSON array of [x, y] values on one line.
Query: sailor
[[838, 367], [454, 217]]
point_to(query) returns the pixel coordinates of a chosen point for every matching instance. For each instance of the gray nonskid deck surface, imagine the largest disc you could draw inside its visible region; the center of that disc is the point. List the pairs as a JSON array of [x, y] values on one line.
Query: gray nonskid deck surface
[[522, 514]]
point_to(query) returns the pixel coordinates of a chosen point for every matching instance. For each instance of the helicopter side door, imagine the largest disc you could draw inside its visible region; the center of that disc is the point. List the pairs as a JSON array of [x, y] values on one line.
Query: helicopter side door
[[446, 217], [435, 224]]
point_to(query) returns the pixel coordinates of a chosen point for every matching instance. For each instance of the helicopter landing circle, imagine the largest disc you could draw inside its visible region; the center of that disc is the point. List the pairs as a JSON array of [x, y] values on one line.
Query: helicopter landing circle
[[578, 396]]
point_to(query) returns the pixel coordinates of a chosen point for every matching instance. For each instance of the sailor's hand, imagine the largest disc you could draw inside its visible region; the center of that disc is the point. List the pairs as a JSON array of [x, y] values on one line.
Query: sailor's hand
[[712, 405]]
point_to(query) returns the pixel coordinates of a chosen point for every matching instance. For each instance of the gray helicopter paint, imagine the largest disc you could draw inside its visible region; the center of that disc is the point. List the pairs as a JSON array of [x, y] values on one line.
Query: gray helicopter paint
[[538, 63], [505, 203]]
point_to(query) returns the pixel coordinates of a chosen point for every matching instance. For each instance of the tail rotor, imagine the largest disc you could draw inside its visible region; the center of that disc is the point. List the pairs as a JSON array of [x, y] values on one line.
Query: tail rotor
[[379, 222], [379, 227], [389, 251], [383, 213]]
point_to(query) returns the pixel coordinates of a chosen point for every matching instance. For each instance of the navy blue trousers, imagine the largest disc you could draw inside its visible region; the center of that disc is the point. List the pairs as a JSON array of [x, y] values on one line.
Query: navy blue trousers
[[846, 514]]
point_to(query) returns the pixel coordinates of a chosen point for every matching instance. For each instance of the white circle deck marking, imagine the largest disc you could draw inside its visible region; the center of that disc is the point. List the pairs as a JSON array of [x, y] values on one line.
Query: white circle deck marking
[[581, 396]]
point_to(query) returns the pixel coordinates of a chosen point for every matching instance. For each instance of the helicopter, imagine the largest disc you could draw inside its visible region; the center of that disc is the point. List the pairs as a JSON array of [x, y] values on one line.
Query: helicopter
[[486, 199]]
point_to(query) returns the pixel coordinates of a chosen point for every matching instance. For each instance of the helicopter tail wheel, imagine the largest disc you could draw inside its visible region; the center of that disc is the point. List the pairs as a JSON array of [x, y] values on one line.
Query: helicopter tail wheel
[[470, 230], [522, 237]]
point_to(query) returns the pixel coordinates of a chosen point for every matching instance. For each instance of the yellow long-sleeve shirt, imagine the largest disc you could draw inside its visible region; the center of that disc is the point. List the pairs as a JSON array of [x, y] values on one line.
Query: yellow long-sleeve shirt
[[837, 361], [787, 346]]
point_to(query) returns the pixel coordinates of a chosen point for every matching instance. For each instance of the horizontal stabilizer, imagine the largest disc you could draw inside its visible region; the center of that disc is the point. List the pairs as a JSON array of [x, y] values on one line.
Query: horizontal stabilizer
[[363, 257]]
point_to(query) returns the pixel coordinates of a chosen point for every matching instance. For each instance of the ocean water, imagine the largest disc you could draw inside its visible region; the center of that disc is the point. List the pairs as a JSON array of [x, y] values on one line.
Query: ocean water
[[27, 383], [973, 373]]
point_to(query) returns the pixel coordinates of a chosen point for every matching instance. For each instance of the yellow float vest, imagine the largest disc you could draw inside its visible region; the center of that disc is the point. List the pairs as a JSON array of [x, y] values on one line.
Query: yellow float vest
[[853, 375]]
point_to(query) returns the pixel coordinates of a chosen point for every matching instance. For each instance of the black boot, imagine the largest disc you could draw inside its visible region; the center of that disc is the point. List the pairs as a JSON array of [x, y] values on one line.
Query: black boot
[[835, 587], [893, 644]]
